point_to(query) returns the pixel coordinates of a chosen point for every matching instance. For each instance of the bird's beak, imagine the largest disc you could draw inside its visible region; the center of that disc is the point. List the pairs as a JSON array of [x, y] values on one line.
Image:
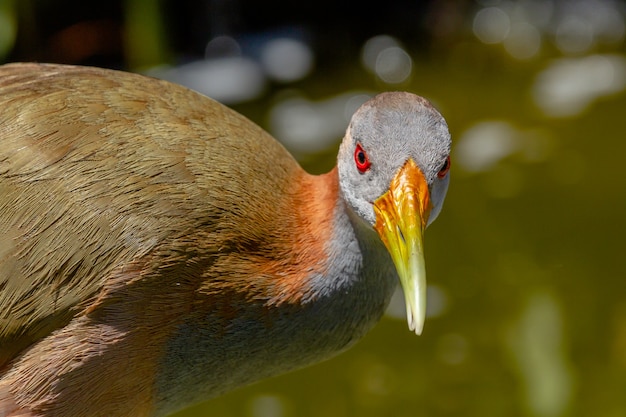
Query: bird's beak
[[401, 217]]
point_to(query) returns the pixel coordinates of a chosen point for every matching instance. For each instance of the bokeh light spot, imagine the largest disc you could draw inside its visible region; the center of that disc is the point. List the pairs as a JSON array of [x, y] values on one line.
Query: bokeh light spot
[[574, 35], [286, 59], [569, 85], [523, 42], [491, 25], [393, 65]]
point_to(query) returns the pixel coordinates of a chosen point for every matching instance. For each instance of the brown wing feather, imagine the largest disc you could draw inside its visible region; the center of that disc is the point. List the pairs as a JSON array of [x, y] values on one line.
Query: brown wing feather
[[97, 169]]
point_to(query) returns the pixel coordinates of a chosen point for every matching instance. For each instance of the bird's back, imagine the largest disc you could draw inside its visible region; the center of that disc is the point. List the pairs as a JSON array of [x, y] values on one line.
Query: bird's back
[[101, 169]]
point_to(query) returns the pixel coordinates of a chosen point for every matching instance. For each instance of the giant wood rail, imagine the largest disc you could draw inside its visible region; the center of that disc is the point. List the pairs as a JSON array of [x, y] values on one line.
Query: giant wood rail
[[158, 249]]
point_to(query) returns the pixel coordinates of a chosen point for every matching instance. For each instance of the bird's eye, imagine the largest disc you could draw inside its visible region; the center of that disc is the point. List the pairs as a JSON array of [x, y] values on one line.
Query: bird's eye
[[445, 168], [360, 158]]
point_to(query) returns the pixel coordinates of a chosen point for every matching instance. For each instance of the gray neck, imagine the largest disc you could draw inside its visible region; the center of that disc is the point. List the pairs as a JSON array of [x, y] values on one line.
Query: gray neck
[[343, 305]]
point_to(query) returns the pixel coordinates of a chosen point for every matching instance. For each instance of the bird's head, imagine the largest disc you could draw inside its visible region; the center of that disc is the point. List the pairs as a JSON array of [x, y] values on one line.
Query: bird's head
[[393, 172]]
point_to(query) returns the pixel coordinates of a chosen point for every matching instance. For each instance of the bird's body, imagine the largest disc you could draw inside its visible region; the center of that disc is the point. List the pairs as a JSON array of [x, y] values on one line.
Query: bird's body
[[158, 249]]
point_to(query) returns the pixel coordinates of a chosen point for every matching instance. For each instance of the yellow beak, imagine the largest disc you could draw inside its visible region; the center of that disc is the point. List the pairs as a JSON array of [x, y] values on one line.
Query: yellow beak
[[401, 217]]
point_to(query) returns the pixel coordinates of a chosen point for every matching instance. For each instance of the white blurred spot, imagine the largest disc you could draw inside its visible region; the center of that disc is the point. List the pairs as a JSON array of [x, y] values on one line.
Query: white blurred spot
[[437, 303], [307, 126], [373, 47], [523, 42], [538, 13], [228, 80], [485, 144], [491, 25], [267, 406], [538, 347], [222, 46], [609, 24], [569, 85], [384, 56], [286, 59], [394, 65], [574, 34], [575, 26], [584, 23]]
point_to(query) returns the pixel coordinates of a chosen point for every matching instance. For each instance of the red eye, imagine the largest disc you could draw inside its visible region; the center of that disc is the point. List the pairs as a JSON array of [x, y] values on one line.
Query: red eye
[[444, 169], [360, 158]]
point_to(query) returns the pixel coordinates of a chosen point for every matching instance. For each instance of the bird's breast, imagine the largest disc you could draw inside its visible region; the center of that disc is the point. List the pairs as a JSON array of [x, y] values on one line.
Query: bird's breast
[[240, 341]]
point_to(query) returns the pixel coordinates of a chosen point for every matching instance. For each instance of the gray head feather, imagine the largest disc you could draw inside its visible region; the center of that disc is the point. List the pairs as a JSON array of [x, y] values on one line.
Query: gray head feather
[[393, 127]]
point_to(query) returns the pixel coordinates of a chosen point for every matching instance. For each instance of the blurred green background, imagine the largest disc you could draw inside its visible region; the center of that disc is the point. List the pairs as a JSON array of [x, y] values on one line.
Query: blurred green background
[[527, 292]]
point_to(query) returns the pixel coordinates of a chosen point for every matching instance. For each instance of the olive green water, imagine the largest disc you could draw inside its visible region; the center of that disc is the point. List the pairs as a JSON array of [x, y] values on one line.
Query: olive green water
[[527, 261]]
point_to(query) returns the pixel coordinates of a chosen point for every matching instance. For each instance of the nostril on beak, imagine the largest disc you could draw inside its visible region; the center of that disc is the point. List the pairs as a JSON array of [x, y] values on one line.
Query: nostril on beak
[[400, 234]]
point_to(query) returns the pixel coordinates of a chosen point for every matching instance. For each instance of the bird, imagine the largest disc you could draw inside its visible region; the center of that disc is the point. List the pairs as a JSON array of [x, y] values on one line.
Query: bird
[[158, 249]]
